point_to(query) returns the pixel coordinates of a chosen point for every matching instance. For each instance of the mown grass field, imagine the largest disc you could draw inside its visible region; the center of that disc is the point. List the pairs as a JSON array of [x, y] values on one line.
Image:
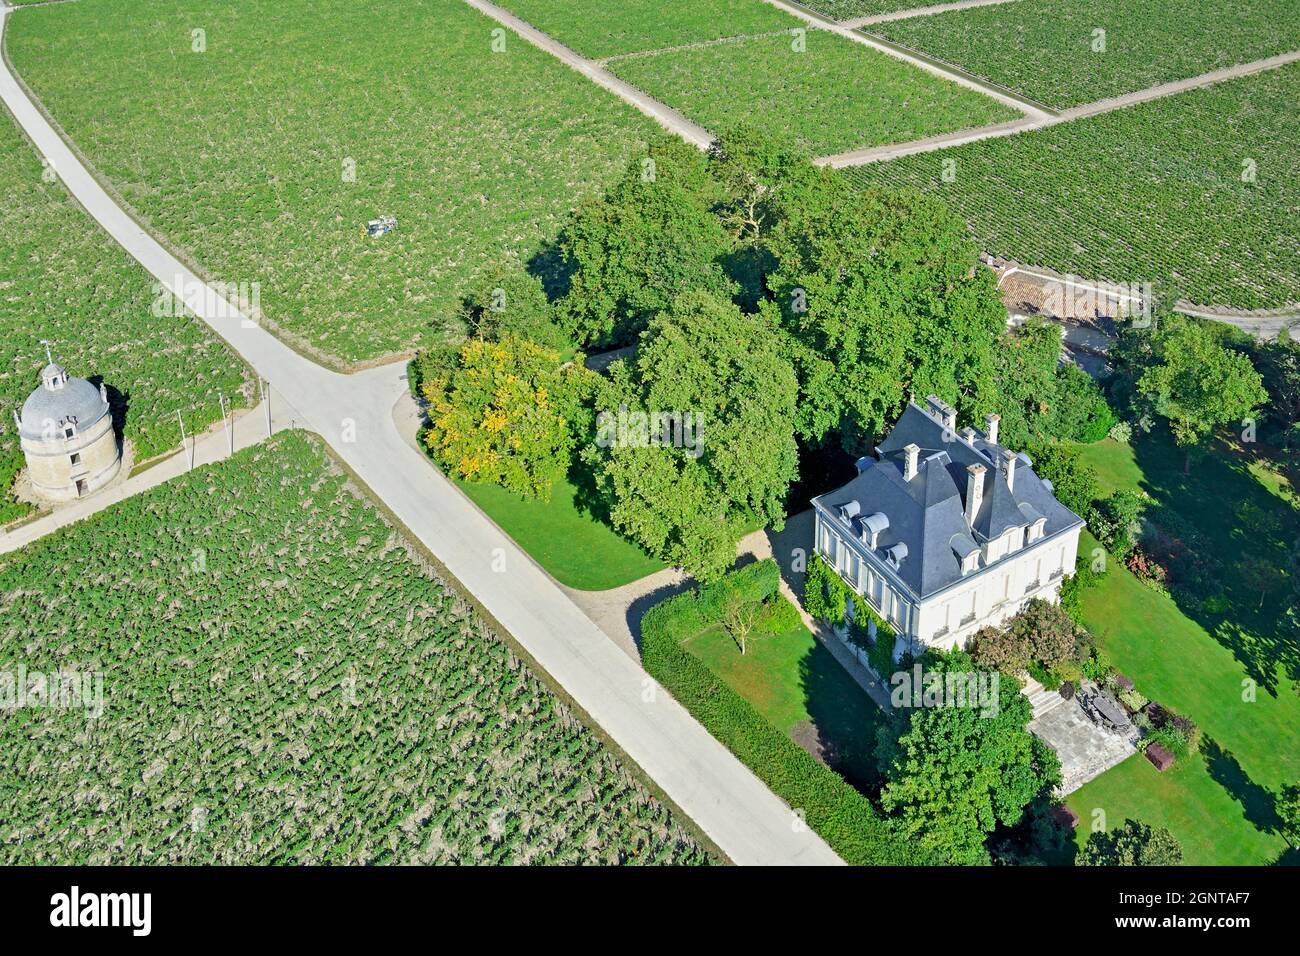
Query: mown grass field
[[599, 29], [1202, 658], [285, 681], [1044, 49], [241, 155], [801, 689], [833, 96], [1198, 193], [572, 545], [64, 280]]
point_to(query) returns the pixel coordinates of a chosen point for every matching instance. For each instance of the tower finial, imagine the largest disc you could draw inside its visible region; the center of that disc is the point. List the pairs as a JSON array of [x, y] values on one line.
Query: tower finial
[[48, 356]]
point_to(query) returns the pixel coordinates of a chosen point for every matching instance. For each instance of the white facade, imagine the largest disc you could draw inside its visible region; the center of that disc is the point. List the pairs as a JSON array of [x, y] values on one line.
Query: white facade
[[989, 595], [945, 531]]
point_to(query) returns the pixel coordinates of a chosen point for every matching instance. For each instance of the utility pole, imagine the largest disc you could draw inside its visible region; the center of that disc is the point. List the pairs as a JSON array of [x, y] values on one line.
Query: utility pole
[[191, 448], [230, 435], [264, 386]]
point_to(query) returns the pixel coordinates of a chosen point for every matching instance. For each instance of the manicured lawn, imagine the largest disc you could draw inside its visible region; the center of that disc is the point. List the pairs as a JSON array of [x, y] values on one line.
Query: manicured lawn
[[795, 683], [834, 95], [1213, 826], [263, 157], [599, 28], [1046, 49], [1116, 467], [574, 547], [1196, 193], [1205, 658]]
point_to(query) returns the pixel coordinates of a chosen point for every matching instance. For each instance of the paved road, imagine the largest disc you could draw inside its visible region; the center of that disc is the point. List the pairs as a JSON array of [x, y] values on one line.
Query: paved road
[[662, 113], [857, 22], [1030, 109], [737, 811], [877, 154], [212, 445]]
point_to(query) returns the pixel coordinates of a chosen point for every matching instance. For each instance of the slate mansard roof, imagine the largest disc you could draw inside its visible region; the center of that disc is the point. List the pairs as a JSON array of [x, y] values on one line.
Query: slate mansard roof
[[927, 515]]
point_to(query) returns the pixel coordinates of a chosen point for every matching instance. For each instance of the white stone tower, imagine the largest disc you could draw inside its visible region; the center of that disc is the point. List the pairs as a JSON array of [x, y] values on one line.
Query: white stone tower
[[67, 437]]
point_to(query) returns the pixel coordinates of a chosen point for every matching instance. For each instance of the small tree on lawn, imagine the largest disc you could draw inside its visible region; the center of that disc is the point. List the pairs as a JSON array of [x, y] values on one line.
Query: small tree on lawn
[[740, 616], [1133, 844]]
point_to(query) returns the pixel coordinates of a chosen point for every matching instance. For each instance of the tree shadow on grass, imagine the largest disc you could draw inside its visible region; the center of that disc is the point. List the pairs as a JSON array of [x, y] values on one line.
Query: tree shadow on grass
[[1258, 802], [841, 731], [1230, 540]]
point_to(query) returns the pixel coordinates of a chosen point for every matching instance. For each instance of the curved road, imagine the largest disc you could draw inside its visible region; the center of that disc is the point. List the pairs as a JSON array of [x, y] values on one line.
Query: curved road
[[737, 811]]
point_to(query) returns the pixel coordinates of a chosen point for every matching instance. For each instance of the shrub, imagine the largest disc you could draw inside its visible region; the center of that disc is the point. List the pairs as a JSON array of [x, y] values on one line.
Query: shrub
[[1133, 700], [1044, 676], [779, 616], [1121, 432], [1098, 666], [833, 808], [1001, 649], [1117, 522]]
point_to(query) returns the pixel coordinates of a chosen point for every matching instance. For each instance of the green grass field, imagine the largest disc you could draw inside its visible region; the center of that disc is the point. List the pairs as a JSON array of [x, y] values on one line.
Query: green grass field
[[263, 157], [575, 548], [1047, 50], [849, 9], [1197, 193], [284, 680], [799, 687], [1201, 660], [64, 280], [599, 29], [833, 96]]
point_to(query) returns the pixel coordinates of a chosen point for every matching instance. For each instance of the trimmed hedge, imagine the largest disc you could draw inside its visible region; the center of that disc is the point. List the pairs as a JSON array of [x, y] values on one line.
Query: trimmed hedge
[[841, 815]]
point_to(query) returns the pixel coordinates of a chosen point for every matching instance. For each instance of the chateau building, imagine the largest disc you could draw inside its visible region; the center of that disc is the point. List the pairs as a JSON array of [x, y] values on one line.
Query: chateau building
[[946, 531], [66, 434]]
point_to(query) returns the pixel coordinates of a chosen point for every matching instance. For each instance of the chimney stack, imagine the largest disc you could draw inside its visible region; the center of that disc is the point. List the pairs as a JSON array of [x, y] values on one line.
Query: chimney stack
[[945, 413], [913, 452], [991, 428], [974, 491], [1009, 465]]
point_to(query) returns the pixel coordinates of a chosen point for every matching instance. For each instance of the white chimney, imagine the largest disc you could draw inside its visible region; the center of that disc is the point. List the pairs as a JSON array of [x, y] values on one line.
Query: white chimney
[[1009, 466], [991, 428], [974, 491], [913, 452]]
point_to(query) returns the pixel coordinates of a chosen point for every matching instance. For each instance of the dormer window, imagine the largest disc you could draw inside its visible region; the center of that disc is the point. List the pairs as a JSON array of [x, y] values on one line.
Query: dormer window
[[849, 510], [873, 526], [1036, 530], [897, 554]]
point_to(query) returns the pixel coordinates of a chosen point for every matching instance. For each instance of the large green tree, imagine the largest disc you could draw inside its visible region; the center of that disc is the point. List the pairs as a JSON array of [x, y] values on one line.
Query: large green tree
[[504, 412], [1197, 384], [883, 295], [652, 235], [718, 377], [954, 773]]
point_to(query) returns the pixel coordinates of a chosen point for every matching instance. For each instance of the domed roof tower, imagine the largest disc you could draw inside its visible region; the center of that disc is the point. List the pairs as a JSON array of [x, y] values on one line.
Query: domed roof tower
[[67, 437]]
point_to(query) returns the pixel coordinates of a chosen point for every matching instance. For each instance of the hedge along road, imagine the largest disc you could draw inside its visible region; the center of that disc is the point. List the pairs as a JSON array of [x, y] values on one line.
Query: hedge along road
[[749, 823]]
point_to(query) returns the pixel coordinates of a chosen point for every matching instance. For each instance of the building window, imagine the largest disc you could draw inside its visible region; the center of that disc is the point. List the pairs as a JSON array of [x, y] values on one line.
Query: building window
[[76, 458], [69, 431]]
